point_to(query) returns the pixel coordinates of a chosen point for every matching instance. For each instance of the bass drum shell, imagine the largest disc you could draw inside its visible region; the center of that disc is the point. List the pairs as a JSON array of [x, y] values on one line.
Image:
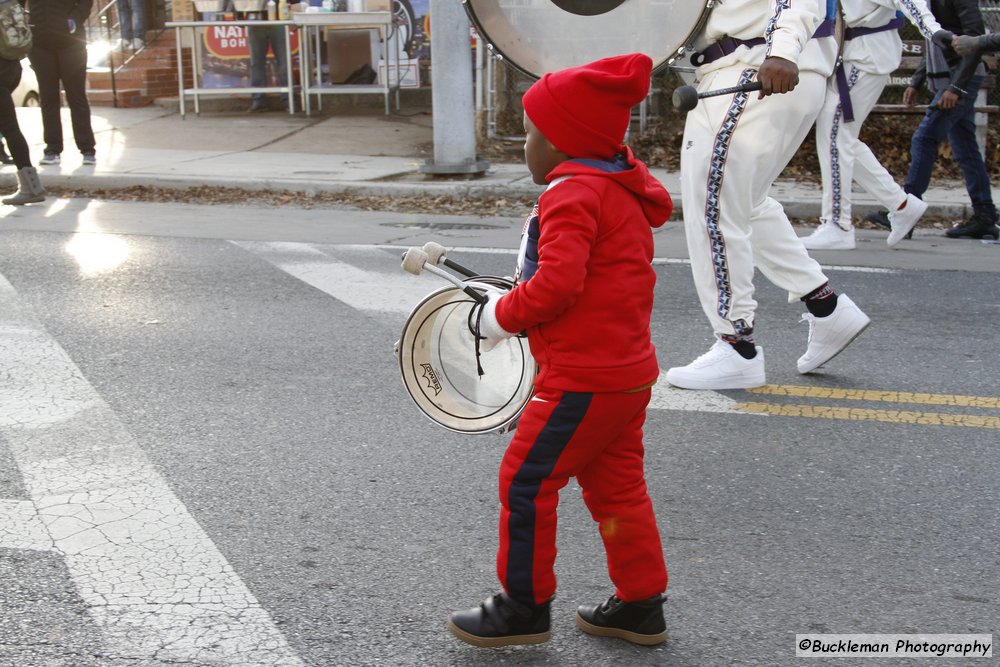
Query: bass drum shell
[[437, 360], [539, 36]]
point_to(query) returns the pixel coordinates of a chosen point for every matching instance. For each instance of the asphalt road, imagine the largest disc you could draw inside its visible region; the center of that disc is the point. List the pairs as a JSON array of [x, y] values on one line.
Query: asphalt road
[[207, 456]]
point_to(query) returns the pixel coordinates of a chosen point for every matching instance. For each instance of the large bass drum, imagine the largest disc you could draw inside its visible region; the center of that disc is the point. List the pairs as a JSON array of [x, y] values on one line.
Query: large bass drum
[[541, 36], [440, 365]]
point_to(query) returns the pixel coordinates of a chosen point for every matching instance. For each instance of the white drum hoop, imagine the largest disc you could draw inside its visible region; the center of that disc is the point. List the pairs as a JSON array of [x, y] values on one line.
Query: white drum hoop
[[538, 36], [438, 363]]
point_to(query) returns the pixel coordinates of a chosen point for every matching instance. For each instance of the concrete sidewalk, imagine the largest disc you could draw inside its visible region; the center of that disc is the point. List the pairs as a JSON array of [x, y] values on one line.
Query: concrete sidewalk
[[362, 150]]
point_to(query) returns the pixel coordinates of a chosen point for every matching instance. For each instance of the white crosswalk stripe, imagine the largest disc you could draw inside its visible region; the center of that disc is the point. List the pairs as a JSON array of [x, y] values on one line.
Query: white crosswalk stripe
[[152, 580], [21, 527], [666, 397], [388, 291], [391, 290]]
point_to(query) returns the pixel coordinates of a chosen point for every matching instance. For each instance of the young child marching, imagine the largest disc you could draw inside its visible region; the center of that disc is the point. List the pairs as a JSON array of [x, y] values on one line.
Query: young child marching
[[584, 296]]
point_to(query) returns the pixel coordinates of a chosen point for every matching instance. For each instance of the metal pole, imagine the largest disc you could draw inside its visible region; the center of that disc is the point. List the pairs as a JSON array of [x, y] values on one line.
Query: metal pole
[[480, 45], [451, 93]]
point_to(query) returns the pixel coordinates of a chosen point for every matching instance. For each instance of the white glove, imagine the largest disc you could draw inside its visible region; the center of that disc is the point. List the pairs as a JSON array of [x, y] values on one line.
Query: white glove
[[489, 329]]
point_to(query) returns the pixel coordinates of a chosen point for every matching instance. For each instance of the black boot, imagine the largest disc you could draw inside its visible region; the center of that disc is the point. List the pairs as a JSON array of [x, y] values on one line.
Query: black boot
[[980, 225], [637, 622], [4, 157], [501, 621], [880, 218]]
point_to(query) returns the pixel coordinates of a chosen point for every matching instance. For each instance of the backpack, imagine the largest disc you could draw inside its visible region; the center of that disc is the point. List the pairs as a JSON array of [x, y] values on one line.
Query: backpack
[[15, 35]]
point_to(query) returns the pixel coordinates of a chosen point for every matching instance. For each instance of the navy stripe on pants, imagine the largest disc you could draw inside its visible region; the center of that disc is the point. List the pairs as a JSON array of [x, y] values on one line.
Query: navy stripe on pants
[[537, 466]]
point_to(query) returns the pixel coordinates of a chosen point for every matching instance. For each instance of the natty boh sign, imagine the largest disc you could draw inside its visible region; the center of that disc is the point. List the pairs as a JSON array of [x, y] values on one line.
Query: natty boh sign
[[231, 41]]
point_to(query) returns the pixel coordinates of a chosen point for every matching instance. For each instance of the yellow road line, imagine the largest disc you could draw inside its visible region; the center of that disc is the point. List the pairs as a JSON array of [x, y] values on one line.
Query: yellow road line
[[876, 395], [863, 414]]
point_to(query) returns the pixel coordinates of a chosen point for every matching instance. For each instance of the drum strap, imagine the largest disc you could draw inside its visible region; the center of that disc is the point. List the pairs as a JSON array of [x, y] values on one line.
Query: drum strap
[[844, 91], [723, 48], [527, 254], [843, 88], [727, 45], [895, 24]]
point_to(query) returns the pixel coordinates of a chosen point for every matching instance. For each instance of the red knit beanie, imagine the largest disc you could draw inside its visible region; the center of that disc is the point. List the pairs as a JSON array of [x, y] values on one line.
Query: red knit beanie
[[584, 111]]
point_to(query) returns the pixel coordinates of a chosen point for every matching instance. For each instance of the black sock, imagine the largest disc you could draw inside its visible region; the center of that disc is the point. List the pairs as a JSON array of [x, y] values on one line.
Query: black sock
[[743, 345], [822, 301]]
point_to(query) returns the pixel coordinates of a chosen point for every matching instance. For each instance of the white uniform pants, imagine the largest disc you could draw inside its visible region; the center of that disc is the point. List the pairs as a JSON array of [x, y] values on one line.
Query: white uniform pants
[[843, 157], [735, 146]]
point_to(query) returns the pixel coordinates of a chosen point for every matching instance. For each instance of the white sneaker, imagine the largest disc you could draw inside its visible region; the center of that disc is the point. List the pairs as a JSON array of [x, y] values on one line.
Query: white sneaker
[[830, 236], [902, 221], [137, 44], [829, 335], [721, 367]]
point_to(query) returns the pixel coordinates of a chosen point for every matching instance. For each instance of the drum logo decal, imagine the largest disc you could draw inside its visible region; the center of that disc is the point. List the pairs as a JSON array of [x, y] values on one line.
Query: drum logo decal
[[432, 378]]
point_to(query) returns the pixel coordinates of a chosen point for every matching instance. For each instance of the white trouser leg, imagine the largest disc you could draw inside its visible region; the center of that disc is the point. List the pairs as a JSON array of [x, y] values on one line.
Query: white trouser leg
[[843, 157], [835, 194], [876, 180], [734, 148]]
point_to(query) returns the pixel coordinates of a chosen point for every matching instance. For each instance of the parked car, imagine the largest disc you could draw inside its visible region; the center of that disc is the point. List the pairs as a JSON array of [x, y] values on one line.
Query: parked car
[[26, 93]]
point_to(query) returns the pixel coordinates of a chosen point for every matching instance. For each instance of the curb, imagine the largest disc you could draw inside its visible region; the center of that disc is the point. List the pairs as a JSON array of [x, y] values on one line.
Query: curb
[[377, 188], [795, 207]]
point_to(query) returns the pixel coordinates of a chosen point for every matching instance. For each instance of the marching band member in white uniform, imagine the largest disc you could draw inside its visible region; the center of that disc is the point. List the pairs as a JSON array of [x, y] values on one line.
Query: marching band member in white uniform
[[872, 50], [735, 146]]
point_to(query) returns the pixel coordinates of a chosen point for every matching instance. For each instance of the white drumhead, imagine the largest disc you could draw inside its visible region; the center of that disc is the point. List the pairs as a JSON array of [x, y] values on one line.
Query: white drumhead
[[437, 359], [539, 36]]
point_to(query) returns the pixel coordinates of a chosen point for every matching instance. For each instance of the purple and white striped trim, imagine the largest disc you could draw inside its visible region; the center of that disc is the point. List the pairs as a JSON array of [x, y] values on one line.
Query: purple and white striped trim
[[716, 175], [779, 6], [835, 179]]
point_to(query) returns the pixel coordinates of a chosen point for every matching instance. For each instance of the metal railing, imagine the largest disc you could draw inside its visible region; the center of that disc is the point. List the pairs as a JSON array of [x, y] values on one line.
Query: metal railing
[[103, 31]]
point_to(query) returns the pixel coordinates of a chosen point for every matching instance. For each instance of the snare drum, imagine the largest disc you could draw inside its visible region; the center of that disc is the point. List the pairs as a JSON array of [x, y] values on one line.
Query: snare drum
[[438, 361], [541, 36]]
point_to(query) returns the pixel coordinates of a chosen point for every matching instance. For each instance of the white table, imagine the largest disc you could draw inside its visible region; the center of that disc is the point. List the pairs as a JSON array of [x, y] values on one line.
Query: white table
[[196, 91], [310, 41]]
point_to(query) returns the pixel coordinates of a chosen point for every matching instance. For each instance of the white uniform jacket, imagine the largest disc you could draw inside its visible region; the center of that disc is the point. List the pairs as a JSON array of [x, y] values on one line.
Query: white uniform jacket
[[881, 52], [786, 25]]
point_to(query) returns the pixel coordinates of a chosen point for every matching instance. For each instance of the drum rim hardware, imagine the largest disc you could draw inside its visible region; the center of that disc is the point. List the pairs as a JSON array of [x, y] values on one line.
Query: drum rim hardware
[[425, 336], [504, 45]]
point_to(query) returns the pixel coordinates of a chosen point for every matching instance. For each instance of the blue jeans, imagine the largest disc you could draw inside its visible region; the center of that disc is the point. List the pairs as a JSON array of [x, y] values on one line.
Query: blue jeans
[[132, 18], [259, 39], [958, 126]]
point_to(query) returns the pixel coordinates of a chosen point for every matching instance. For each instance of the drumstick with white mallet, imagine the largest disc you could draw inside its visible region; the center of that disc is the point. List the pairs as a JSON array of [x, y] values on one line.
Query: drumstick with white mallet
[[416, 260], [437, 254], [686, 97]]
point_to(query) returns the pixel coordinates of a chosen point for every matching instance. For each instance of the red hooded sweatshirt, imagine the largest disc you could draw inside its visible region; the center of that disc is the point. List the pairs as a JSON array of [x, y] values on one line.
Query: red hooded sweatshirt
[[587, 306]]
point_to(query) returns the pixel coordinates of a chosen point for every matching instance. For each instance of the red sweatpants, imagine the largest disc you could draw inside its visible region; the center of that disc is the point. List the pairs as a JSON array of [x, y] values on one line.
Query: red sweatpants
[[596, 438]]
